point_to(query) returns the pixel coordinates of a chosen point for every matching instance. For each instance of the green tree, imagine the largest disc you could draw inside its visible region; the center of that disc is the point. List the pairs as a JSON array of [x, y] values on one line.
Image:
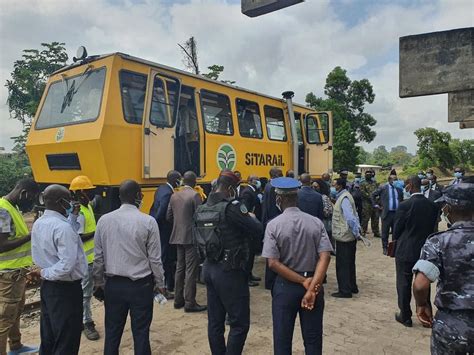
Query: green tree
[[13, 167], [347, 100], [463, 151], [28, 81], [381, 156], [399, 155], [364, 157], [434, 149]]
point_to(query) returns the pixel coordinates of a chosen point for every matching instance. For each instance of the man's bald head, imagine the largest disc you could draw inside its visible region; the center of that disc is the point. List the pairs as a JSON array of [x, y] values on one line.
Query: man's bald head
[[275, 172], [189, 178], [129, 191], [173, 177], [305, 179], [326, 177], [54, 196]]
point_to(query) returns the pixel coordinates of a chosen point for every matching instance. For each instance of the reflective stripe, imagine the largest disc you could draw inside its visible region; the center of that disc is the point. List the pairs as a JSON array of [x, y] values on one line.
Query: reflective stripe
[[14, 256], [90, 251]]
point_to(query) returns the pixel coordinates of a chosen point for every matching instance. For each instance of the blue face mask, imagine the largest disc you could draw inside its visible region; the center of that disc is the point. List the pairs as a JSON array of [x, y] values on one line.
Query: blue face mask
[[421, 176], [406, 194], [258, 184], [333, 192], [68, 209], [458, 175], [429, 175]]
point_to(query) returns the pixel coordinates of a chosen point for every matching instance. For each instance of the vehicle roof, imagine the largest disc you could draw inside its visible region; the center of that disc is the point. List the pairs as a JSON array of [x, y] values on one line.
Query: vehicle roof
[[165, 67]]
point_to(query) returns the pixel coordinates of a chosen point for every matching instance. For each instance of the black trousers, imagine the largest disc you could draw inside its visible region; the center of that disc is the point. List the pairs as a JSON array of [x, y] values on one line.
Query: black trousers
[[61, 317], [387, 225], [404, 282], [168, 258], [286, 304], [121, 296], [346, 267], [227, 293]]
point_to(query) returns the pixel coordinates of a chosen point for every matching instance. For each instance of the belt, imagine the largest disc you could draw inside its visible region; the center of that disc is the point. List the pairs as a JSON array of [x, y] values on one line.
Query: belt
[[123, 278], [60, 282], [305, 273]]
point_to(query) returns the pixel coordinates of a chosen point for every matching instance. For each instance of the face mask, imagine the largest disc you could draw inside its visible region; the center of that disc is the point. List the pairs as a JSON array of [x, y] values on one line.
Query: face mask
[[258, 184], [69, 206], [406, 194], [333, 191], [138, 203], [232, 193], [445, 216], [328, 182], [424, 188], [357, 180], [458, 175], [429, 175], [421, 176]]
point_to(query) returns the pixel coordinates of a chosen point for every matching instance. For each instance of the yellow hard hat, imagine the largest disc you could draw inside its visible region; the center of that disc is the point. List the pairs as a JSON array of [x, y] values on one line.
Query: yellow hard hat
[[81, 182]]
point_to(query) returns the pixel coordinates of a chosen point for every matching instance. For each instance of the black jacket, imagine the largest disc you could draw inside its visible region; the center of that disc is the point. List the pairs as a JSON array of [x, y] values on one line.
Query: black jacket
[[414, 221], [381, 197], [311, 202], [249, 197]]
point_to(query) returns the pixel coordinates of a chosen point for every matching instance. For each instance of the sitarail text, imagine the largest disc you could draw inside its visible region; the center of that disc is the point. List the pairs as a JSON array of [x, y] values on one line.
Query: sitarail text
[[264, 159]]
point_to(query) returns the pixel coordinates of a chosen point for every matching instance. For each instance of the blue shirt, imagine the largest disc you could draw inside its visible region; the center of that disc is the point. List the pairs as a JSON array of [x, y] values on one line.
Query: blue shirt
[[349, 215], [392, 197], [57, 249]]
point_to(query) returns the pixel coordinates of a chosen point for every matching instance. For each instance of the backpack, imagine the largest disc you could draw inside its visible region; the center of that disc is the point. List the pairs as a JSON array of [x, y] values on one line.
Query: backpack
[[206, 233]]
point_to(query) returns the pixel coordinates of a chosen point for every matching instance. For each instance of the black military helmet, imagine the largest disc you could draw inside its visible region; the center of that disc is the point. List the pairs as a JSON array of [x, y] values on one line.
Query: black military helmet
[[459, 195]]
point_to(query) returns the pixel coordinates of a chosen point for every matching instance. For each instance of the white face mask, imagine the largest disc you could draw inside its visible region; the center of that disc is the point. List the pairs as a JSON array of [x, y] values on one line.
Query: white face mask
[[232, 193], [278, 205], [445, 216]]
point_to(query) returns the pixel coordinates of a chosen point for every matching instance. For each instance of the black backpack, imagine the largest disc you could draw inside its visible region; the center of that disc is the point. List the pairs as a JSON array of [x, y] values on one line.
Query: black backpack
[[206, 233]]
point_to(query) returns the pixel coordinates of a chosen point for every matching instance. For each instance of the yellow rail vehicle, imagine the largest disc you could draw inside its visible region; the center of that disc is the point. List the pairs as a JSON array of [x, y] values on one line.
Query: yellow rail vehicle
[[115, 117]]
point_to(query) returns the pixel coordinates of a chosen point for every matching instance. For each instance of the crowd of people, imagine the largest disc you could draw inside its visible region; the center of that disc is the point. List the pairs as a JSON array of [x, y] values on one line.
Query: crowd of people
[[128, 258]]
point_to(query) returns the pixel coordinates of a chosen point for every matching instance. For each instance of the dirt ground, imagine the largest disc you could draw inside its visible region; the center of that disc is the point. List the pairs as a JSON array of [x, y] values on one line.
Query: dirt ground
[[362, 325]]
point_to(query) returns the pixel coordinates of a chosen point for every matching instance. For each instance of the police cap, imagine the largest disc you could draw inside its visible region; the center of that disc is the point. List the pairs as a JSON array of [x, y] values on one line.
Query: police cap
[[459, 195], [343, 172], [285, 185]]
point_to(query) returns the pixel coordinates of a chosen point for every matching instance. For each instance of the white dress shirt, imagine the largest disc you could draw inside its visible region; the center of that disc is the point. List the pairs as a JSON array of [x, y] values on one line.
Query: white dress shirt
[[127, 243], [57, 249]]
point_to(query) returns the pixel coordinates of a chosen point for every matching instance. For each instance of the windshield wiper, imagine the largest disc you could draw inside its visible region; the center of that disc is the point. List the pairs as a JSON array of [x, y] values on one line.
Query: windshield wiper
[[71, 91]]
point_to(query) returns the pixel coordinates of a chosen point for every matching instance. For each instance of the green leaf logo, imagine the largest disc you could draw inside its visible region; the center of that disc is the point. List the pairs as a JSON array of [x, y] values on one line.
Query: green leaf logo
[[226, 157]]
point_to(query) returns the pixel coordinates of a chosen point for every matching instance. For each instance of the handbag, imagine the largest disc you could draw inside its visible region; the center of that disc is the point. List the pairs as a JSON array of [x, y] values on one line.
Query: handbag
[[391, 248]]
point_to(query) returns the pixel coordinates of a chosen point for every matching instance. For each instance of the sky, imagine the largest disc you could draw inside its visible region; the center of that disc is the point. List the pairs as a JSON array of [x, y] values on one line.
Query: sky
[[291, 49]]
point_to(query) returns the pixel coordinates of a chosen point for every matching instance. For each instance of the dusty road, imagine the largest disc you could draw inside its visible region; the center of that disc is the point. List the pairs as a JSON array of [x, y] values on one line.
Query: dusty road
[[362, 325]]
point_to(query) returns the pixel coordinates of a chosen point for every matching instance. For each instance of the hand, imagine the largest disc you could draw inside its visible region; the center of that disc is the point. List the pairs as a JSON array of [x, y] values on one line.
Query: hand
[[425, 315], [76, 208], [161, 290], [307, 283], [251, 214], [307, 303], [34, 275]]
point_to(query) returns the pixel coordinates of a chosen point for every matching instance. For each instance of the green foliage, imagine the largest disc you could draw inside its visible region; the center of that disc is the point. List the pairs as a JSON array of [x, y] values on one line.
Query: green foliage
[[434, 149], [215, 72], [381, 156], [463, 151], [364, 157], [13, 167], [28, 80], [346, 99]]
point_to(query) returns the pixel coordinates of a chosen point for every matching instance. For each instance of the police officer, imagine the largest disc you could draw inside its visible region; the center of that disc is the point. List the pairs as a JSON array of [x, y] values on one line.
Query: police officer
[[298, 250], [447, 258], [84, 223], [224, 269], [15, 258]]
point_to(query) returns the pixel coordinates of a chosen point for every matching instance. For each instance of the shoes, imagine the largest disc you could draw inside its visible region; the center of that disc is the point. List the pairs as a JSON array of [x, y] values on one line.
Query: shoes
[[406, 322], [255, 278], [195, 309], [25, 349], [90, 332], [253, 283], [355, 290], [168, 295], [178, 305], [385, 251], [341, 295], [377, 236]]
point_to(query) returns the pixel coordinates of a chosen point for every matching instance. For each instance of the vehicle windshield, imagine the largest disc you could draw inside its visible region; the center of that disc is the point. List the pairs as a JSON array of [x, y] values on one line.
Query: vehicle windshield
[[73, 100]]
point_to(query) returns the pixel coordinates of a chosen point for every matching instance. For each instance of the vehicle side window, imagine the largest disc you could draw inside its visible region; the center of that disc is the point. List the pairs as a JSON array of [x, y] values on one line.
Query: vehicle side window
[[216, 113], [248, 114], [275, 123], [317, 128], [163, 102], [298, 127], [133, 89]]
